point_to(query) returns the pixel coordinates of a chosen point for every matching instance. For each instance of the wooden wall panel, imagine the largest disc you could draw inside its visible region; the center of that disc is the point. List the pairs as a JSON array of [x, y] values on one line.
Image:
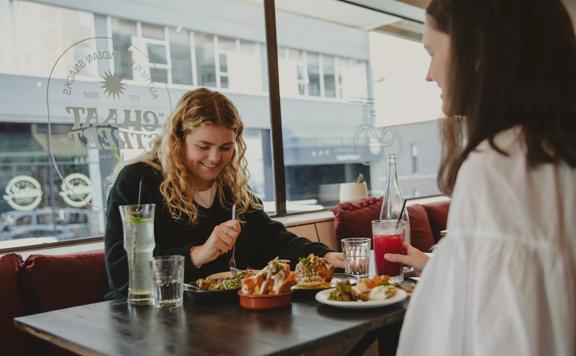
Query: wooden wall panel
[[326, 234]]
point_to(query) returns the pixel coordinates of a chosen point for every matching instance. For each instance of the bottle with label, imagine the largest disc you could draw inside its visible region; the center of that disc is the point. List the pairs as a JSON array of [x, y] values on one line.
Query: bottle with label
[[392, 200]]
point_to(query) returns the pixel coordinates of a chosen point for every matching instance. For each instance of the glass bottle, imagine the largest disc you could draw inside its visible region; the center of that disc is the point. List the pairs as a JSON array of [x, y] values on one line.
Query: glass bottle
[[392, 200]]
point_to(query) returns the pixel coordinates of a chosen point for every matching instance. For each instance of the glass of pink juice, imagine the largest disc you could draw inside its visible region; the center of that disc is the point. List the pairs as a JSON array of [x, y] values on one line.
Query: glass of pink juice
[[387, 237]]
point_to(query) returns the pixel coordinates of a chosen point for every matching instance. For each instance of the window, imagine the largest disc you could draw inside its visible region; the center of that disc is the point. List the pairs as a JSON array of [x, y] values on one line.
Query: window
[[122, 33], [27, 166], [351, 84], [329, 76], [205, 60], [362, 73], [158, 63], [313, 67], [226, 46], [34, 35], [181, 56], [414, 157], [54, 178], [154, 41]]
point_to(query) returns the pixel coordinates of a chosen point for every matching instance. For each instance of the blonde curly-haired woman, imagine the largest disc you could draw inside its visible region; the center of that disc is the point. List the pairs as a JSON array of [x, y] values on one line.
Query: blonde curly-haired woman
[[194, 174]]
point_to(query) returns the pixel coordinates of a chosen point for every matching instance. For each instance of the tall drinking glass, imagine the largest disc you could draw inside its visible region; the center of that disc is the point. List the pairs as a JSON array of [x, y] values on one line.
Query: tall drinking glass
[[356, 256], [138, 224], [387, 236]]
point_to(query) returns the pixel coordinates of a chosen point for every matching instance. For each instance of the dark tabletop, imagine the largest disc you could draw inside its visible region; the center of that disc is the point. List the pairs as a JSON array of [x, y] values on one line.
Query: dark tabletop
[[115, 328]]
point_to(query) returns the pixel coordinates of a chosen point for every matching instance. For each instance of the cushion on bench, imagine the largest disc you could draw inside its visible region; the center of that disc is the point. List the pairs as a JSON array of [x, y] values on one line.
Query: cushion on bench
[[56, 282], [438, 216], [353, 219]]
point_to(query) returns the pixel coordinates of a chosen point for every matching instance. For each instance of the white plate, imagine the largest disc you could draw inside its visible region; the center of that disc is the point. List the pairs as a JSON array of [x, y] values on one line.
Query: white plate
[[322, 297]]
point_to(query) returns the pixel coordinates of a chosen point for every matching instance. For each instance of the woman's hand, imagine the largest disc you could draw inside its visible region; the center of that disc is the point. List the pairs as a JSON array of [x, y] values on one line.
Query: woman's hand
[[336, 259], [413, 258], [221, 240]]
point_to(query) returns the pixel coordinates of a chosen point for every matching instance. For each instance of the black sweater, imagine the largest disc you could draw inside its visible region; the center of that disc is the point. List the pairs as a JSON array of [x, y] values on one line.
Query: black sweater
[[260, 240]]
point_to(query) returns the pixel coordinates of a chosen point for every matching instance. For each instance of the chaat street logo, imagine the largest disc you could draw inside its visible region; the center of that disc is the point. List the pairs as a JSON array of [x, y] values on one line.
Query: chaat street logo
[[112, 85], [107, 103], [23, 193], [114, 128], [76, 190], [109, 96]]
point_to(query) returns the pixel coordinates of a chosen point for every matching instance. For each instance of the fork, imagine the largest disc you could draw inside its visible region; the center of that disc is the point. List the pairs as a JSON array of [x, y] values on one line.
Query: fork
[[232, 261]]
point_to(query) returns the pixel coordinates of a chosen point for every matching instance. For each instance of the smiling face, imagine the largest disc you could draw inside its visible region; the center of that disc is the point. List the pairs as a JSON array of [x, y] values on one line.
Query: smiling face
[[437, 44], [207, 151]]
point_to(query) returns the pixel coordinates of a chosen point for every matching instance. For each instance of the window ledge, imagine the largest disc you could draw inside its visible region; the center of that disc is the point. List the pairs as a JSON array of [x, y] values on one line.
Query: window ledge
[[306, 218]]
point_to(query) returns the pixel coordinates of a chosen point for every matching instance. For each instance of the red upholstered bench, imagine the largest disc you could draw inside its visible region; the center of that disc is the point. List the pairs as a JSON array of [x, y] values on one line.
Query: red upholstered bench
[[12, 341], [43, 283], [352, 219]]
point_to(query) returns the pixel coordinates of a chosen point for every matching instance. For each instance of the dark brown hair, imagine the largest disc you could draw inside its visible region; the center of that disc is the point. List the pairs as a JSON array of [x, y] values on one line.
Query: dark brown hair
[[513, 63]]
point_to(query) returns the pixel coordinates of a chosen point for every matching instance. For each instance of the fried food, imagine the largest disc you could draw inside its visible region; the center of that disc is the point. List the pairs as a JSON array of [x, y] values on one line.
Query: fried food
[[218, 284], [313, 272], [275, 278]]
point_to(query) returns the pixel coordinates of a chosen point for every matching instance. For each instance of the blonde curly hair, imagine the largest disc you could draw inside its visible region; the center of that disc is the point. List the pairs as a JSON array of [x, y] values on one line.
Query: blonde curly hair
[[196, 109]]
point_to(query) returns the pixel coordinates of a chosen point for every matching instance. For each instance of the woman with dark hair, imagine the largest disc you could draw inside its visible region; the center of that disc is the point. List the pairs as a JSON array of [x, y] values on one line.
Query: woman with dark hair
[[503, 281], [195, 172]]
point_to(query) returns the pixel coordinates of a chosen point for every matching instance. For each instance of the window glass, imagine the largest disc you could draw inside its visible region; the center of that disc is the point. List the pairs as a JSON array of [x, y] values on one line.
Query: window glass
[[159, 75], [61, 140], [224, 82], [205, 62], [152, 31], [313, 68], [157, 53], [349, 101], [414, 157], [122, 33], [180, 56], [34, 35], [32, 197], [223, 63], [329, 76]]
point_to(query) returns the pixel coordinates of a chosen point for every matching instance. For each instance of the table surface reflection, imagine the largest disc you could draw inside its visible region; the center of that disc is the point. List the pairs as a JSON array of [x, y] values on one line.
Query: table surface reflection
[[115, 328]]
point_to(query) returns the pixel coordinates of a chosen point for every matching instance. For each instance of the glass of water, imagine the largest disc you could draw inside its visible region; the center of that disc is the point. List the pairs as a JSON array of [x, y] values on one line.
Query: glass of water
[[168, 280], [356, 256], [138, 225]]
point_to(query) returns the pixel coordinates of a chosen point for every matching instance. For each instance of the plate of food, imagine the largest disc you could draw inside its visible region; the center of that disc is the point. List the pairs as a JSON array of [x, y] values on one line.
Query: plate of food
[[313, 274], [367, 293], [217, 287]]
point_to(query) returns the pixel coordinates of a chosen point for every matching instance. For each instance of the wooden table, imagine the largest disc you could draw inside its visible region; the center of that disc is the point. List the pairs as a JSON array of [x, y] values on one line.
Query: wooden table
[[115, 328]]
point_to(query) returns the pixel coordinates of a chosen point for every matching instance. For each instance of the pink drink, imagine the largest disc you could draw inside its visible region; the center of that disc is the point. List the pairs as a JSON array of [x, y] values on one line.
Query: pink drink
[[387, 244]]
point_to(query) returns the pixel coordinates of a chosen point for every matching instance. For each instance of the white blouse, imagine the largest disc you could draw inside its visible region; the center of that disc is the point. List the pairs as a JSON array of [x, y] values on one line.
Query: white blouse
[[503, 281]]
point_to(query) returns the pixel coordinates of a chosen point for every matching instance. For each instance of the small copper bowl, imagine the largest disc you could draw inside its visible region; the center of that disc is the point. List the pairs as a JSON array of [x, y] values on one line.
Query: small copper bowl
[[257, 302]]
